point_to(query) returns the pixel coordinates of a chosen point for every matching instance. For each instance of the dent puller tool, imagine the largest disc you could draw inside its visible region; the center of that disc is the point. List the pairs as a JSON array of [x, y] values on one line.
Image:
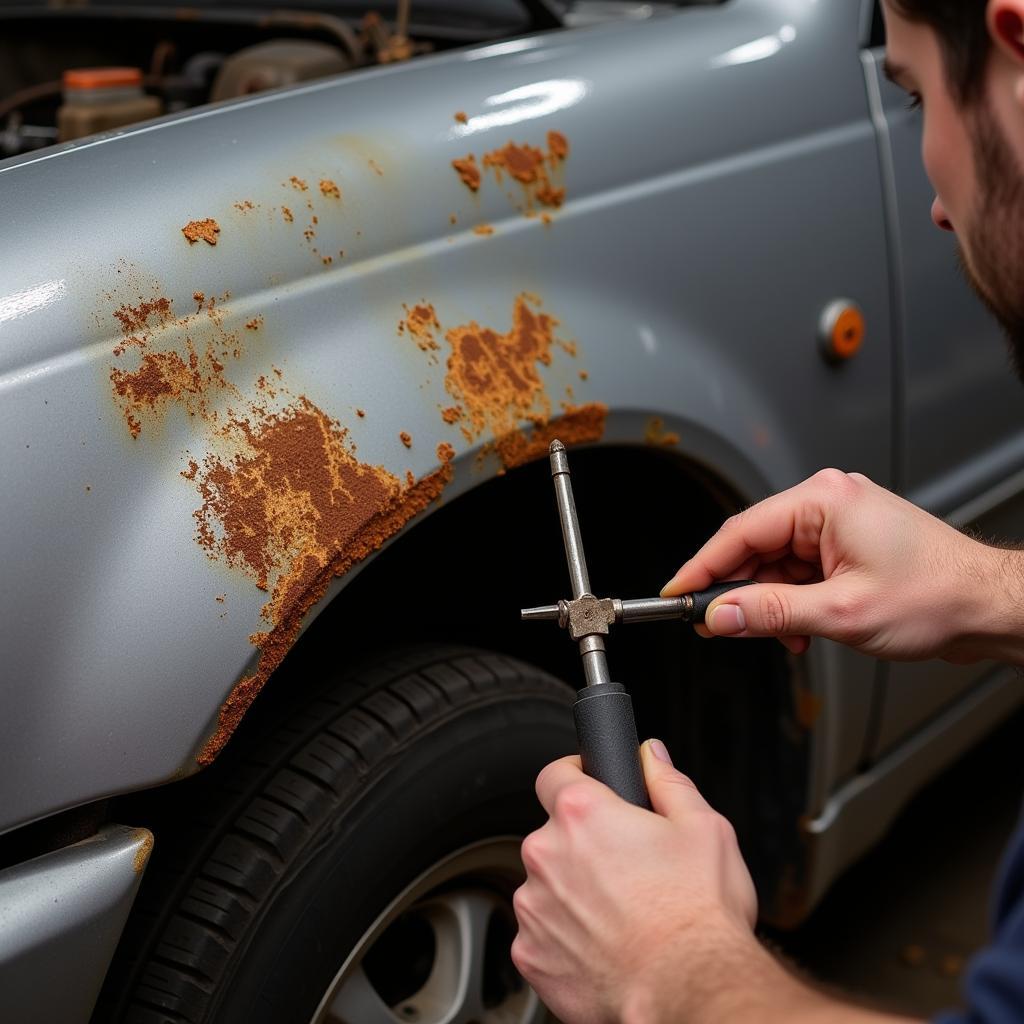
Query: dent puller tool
[[605, 727]]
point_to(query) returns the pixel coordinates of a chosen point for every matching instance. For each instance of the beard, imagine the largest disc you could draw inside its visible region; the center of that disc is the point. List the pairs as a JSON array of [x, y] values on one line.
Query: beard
[[992, 256]]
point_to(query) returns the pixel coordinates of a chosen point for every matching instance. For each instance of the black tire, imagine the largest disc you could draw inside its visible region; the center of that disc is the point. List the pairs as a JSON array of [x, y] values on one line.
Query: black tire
[[281, 862]]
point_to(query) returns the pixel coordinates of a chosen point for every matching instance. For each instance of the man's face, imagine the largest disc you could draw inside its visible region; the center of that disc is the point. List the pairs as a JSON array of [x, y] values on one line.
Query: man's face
[[973, 157]]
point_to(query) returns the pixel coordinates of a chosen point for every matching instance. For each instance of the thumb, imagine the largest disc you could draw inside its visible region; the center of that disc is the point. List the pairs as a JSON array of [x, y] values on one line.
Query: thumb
[[771, 609], [672, 794]]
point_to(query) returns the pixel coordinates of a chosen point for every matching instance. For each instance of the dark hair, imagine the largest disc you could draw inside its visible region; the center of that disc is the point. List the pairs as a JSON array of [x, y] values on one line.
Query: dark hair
[[963, 38]]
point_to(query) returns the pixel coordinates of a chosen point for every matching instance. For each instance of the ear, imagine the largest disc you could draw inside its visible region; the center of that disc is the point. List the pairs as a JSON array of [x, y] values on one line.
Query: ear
[[1005, 19]]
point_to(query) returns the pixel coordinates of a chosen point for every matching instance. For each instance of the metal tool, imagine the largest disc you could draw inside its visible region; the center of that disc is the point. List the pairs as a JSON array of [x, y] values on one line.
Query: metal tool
[[605, 726]]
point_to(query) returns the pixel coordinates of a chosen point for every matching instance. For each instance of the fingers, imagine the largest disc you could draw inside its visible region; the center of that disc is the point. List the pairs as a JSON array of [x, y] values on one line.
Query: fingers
[[789, 612], [555, 777], [784, 525], [672, 794]]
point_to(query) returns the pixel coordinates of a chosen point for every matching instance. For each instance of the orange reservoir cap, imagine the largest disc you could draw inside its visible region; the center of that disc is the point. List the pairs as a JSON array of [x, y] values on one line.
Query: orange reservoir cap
[[101, 78]]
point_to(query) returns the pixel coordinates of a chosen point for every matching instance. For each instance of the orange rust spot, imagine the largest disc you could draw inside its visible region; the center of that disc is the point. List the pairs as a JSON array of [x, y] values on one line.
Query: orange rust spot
[[220, 598], [141, 858], [494, 375], [452, 219], [329, 189], [546, 219], [201, 231], [452, 414], [483, 229], [406, 438], [360, 413], [468, 171], [255, 323], [244, 205], [656, 434], [199, 298], [164, 377], [421, 322], [294, 509], [298, 184], [584, 375], [135, 320], [184, 372], [193, 468], [524, 163], [287, 214], [558, 146], [375, 168], [309, 233], [460, 116], [445, 452], [550, 196], [531, 167], [582, 424]]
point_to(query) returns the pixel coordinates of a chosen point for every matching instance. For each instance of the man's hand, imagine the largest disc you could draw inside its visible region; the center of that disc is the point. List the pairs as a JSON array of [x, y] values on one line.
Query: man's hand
[[619, 901], [842, 558], [634, 917]]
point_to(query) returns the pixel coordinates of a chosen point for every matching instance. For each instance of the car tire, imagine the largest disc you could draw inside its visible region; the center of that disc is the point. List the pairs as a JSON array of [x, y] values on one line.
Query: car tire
[[352, 855]]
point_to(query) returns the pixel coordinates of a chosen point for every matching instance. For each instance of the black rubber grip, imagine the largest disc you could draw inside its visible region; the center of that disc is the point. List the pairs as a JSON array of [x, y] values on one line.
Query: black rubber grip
[[609, 749], [703, 598]]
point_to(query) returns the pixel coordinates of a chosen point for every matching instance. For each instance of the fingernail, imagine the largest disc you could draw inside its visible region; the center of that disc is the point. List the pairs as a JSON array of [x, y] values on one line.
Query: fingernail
[[660, 751], [727, 620], [661, 593]]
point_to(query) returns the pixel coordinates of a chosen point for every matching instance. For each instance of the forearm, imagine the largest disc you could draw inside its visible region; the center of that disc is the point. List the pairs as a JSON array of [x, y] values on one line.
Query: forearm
[[740, 982], [992, 617]]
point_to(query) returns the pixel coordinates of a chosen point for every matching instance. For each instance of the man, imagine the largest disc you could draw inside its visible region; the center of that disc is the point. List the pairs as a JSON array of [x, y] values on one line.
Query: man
[[641, 918]]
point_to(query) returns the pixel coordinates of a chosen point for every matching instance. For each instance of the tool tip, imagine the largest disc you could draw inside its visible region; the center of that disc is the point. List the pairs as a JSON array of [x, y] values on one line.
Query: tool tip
[[556, 446]]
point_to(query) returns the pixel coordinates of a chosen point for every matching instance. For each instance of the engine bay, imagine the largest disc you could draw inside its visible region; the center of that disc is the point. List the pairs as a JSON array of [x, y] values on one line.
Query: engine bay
[[68, 69]]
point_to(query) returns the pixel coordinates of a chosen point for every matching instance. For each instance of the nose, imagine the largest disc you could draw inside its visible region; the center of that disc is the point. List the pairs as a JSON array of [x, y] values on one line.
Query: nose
[[940, 217]]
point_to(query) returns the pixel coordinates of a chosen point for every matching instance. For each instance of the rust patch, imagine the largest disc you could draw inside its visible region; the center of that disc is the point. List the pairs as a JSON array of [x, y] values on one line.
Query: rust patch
[[496, 379], [287, 214], [255, 323], [406, 438], [298, 184], [495, 376], [141, 858], [422, 323], [483, 229], [184, 371], [201, 231], [294, 509], [460, 116], [199, 298], [655, 432], [578, 424], [558, 147], [531, 167], [361, 413], [329, 189], [445, 452], [536, 170], [375, 167], [468, 171], [244, 206]]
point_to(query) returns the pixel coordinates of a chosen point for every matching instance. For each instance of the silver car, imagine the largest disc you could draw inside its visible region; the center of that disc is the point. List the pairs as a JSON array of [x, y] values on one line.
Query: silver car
[[276, 369]]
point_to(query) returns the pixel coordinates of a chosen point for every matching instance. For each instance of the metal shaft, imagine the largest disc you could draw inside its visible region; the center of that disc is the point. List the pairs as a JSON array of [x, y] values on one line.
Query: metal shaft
[[592, 651]]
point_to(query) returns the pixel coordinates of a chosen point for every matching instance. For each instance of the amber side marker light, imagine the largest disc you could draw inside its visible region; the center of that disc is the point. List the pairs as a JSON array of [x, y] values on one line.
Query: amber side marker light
[[841, 330]]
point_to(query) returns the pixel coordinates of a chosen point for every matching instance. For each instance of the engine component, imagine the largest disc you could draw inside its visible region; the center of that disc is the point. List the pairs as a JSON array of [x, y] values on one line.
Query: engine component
[[96, 99], [274, 64]]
